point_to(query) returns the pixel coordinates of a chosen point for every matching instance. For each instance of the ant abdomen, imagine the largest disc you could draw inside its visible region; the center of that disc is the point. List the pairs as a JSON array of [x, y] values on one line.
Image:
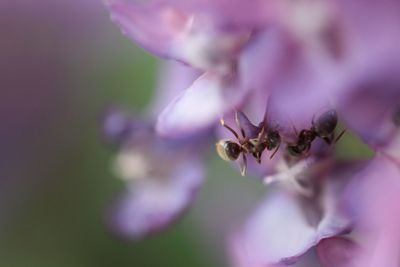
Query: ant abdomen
[[228, 150]]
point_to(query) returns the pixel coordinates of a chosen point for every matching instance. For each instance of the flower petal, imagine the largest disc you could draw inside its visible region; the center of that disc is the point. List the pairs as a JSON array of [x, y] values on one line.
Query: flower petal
[[200, 105], [173, 79], [138, 20], [278, 232], [153, 203], [371, 100], [373, 197], [288, 224]]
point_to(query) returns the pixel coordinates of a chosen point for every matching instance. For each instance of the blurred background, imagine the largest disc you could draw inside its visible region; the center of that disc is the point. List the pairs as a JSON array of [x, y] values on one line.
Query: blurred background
[[61, 64]]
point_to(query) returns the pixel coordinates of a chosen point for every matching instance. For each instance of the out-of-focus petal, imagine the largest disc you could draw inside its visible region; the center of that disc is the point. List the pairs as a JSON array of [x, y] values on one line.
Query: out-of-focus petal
[[374, 197], [337, 252], [300, 93], [201, 105], [370, 101], [153, 203], [173, 79], [118, 125], [369, 97], [154, 27], [169, 31], [283, 229], [229, 12]]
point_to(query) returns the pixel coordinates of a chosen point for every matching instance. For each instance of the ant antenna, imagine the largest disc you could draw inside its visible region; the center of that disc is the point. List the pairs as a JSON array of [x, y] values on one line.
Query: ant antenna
[[222, 121]]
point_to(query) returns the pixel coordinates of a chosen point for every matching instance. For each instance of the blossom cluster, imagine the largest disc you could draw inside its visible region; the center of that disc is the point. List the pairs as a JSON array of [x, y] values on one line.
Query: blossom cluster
[[286, 79]]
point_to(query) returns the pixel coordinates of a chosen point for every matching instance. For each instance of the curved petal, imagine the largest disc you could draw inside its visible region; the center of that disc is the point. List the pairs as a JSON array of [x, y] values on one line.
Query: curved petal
[[229, 12], [173, 79], [281, 231], [370, 101], [287, 224], [152, 204], [156, 28], [201, 105], [374, 197]]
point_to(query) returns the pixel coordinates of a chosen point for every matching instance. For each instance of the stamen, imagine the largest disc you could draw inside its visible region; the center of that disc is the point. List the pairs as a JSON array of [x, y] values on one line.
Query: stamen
[[292, 176]]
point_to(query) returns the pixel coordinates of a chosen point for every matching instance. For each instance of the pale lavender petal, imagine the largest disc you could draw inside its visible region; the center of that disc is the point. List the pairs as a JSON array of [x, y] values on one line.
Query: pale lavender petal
[[370, 101], [169, 31], [173, 79], [154, 27], [299, 95], [374, 198], [201, 105], [229, 12], [153, 203], [281, 231], [287, 224]]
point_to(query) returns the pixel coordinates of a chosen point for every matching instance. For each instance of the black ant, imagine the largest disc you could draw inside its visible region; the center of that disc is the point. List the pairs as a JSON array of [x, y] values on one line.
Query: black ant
[[230, 150], [323, 128]]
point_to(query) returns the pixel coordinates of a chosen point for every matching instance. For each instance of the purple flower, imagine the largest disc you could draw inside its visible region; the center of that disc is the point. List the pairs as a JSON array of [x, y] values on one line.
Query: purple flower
[[289, 222], [197, 34], [162, 176], [294, 69]]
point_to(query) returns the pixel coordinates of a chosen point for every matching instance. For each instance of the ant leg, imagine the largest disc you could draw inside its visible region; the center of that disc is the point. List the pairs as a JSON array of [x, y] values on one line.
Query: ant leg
[[276, 150], [339, 136], [239, 125], [243, 165], [258, 156], [261, 134], [229, 128]]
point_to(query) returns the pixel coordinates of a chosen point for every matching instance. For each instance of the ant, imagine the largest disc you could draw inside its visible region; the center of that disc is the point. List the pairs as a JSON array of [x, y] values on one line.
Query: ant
[[323, 128], [230, 150]]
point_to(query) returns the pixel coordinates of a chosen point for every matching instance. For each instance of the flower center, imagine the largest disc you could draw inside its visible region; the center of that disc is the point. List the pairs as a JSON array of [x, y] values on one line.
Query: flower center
[[131, 165]]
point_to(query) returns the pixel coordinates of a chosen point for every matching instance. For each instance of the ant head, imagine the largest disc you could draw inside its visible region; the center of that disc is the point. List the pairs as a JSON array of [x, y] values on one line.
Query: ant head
[[326, 123], [228, 150], [273, 139]]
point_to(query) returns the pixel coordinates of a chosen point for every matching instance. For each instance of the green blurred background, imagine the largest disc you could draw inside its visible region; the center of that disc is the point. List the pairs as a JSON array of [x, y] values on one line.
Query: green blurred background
[[61, 64]]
